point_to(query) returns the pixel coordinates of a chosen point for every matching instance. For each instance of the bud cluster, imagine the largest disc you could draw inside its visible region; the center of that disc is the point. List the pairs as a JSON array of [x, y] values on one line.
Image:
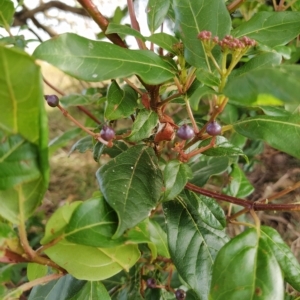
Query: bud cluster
[[228, 42]]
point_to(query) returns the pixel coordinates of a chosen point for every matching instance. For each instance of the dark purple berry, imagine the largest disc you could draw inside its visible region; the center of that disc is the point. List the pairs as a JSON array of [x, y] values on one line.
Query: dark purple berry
[[52, 100], [185, 132], [180, 294], [214, 128], [107, 133], [151, 283]]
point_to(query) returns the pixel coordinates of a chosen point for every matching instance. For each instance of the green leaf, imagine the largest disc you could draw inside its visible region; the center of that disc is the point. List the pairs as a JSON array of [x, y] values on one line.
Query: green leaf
[[90, 263], [271, 28], [78, 99], [92, 290], [18, 161], [93, 223], [57, 223], [121, 103], [192, 244], [286, 259], [123, 30], [62, 289], [200, 92], [195, 16], [63, 140], [82, 145], [7, 11], [176, 175], [124, 182], [207, 77], [21, 94], [222, 148], [276, 131], [207, 209], [164, 41], [156, 13], [263, 60], [266, 86], [261, 276], [35, 271], [239, 184], [275, 111], [159, 238], [143, 125], [97, 61], [117, 148], [202, 170], [19, 202]]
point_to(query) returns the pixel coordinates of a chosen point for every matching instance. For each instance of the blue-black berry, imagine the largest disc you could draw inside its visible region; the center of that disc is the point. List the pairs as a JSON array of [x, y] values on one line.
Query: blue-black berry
[[185, 132], [151, 283], [107, 133], [214, 128], [52, 100], [180, 294]]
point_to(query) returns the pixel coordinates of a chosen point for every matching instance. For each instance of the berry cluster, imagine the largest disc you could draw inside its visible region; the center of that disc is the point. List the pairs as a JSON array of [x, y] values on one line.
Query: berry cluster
[[228, 42]]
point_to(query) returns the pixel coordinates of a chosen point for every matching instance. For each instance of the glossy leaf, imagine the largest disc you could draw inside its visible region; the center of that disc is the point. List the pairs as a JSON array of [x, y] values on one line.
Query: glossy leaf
[[57, 223], [121, 103], [6, 13], [200, 92], [143, 125], [35, 271], [271, 28], [195, 16], [62, 140], [260, 86], [93, 223], [276, 131], [263, 60], [96, 61], [222, 148], [203, 170], [124, 182], [117, 148], [176, 175], [90, 263], [207, 209], [261, 275], [62, 289], [239, 184], [78, 99], [159, 239], [286, 259], [22, 94], [18, 161], [207, 77], [193, 245], [92, 290], [156, 13], [82, 145], [164, 41], [123, 30], [275, 111], [140, 234], [21, 200]]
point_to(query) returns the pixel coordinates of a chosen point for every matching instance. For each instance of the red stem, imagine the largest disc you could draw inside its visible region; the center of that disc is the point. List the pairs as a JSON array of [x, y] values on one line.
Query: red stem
[[102, 22]]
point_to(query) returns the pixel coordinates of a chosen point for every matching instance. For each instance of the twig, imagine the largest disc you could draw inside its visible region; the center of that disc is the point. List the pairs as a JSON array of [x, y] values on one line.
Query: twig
[[133, 86], [234, 5], [101, 21], [83, 109], [169, 99], [29, 285], [135, 24]]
